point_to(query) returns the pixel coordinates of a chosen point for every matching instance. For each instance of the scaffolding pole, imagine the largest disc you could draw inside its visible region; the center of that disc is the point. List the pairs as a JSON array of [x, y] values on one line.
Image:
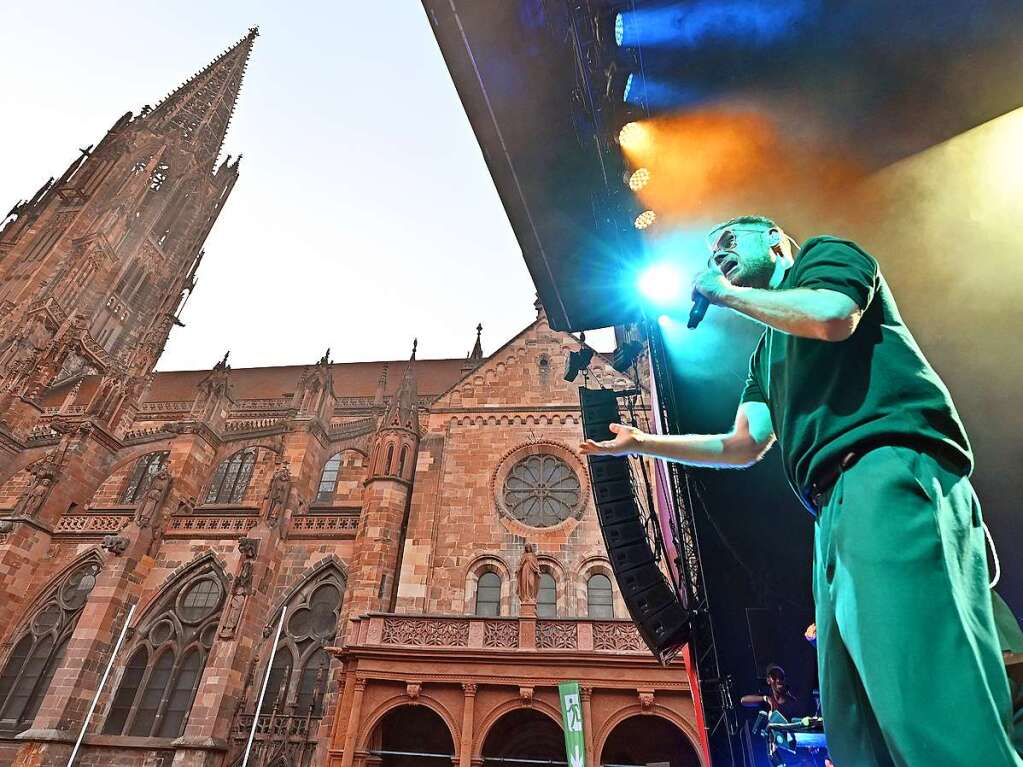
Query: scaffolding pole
[[262, 690]]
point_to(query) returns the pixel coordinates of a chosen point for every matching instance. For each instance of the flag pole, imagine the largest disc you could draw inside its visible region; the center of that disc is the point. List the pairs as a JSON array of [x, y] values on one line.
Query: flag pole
[[262, 690], [102, 683]]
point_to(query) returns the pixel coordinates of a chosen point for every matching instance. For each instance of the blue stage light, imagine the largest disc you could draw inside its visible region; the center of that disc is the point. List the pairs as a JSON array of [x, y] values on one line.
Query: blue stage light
[[628, 86], [661, 283], [665, 321], [701, 22]]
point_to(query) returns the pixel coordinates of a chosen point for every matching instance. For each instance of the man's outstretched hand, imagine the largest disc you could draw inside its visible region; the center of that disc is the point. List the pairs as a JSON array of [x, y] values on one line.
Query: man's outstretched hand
[[627, 440]]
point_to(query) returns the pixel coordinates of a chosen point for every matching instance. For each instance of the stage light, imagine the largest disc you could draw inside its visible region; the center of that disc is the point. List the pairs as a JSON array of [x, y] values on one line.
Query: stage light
[[665, 321], [578, 361], [639, 179], [628, 86], [661, 283], [644, 219], [625, 356], [619, 28], [632, 135]]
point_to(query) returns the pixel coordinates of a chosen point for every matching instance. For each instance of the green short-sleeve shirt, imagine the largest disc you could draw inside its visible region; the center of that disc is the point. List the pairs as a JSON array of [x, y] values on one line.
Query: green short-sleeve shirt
[[874, 388]]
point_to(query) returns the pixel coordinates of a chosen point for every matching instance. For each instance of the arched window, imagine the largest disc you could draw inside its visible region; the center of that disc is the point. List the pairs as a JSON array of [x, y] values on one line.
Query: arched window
[[40, 648], [328, 479], [547, 597], [402, 460], [599, 597], [298, 674], [488, 594], [231, 479], [159, 682], [389, 461], [145, 468]]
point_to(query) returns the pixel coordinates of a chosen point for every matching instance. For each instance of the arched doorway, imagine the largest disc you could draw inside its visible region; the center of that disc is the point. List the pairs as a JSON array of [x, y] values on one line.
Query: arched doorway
[[411, 736], [524, 738], [645, 739]]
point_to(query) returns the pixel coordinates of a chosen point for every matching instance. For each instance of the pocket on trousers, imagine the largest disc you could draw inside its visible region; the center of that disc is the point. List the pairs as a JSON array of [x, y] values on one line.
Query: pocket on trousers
[[914, 471]]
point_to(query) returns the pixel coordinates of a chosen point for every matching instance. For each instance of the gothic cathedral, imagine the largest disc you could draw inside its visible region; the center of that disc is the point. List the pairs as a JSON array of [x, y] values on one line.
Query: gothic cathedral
[[374, 564]]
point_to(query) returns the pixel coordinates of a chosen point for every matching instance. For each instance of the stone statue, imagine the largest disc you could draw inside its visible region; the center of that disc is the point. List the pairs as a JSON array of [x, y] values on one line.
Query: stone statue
[[277, 495], [44, 472], [528, 576], [115, 544], [239, 589], [154, 497]]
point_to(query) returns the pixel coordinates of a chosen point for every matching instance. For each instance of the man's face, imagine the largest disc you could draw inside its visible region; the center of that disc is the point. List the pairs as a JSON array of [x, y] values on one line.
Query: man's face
[[742, 254]]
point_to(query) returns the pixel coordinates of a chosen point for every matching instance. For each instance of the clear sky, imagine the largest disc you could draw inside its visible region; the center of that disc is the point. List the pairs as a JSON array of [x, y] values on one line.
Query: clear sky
[[364, 215]]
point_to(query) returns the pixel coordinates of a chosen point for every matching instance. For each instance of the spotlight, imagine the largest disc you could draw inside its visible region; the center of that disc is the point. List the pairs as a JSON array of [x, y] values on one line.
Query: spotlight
[[628, 86], [578, 361], [625, 356], [619, 28], [631, 135], [639, 179], [661, 283], [645, 219]]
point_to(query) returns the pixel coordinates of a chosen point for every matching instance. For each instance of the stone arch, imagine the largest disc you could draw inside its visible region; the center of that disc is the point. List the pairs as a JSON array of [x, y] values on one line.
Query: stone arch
[[487, 724], [181, 573], [482, 564], [425, 700], [351, 471], [593, 566], [687, 728], [93, 554], [109, 491]]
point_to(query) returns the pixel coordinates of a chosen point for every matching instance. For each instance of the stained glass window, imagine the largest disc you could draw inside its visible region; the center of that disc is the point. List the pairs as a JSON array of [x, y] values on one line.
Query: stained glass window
[[541, 490]]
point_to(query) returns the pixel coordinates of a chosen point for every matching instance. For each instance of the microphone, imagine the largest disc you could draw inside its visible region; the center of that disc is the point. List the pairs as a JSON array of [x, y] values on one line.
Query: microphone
[[700, 304]]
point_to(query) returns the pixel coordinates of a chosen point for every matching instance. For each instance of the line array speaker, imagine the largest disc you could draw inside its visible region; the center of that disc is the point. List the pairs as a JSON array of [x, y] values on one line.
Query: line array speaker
[[662, 620]]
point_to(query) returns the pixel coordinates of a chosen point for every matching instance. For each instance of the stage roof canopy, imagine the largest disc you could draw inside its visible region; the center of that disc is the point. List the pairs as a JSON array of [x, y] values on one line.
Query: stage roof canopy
[[541, 82]]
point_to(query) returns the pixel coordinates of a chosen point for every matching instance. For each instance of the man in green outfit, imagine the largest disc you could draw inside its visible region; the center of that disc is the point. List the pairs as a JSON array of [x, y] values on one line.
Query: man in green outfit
[[873, 446]]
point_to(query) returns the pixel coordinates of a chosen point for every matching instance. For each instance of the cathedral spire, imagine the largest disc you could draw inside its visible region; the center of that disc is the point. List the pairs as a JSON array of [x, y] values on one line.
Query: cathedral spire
[[201, 108]]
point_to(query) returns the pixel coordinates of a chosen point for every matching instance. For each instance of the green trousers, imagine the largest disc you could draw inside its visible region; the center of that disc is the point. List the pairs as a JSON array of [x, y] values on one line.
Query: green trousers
[[910, 669]]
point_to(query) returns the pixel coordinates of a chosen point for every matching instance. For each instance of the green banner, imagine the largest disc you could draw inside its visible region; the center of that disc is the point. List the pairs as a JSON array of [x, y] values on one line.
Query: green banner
[[572, 719]]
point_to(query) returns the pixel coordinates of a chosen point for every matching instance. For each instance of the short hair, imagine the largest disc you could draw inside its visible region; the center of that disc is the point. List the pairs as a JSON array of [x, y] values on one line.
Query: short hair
[[767, 223], [776, 671]]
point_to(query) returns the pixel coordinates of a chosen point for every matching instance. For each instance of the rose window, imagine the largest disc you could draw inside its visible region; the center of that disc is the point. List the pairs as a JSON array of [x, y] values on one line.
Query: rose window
[[541, 491]]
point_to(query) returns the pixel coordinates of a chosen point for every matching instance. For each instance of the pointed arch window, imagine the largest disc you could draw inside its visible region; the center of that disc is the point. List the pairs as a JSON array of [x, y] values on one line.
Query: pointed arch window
[[145, 468], [402, 460], [40, 649], [389, 461], [328, 479], [231, 479], [156, 690], [298, 674], [488, 594]]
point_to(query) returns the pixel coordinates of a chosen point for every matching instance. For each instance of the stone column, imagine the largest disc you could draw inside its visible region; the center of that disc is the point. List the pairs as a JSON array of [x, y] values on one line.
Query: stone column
[[354, 719], [586, 693], [468, 724]]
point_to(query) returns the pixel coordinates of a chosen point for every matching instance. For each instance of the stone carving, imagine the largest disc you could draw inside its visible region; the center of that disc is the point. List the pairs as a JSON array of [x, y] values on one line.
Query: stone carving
[[526, 695], [154, 497], [44, 474], [501, 634], [616, 636], [115, 544], [240, 589], [528, 576], [431, 632], [556, 635], [412, 690], [646, 700], [277, 495]]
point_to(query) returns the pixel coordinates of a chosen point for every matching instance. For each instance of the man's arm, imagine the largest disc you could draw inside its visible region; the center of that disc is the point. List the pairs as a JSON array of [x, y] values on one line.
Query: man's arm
[[825, 315], [750, 438]]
